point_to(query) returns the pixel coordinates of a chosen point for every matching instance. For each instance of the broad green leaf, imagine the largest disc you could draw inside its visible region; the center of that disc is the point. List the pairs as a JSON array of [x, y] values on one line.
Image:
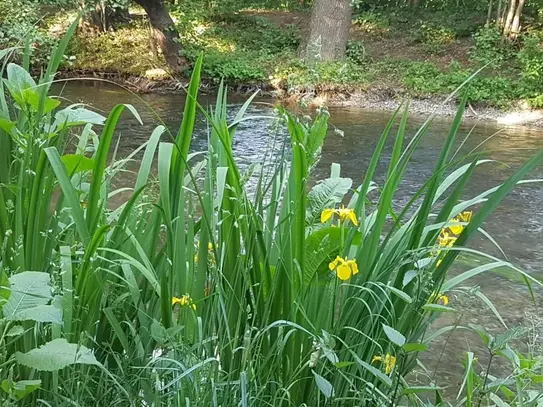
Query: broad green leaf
[[414, 347], [15, 330], [404, 296], [158, 332], [324, 385], [56, 355], [6, 125], [18, 81], [502, 339], [341, 365], [75, 163], [394, 336], [76, 116], [498, 401], [409, 276], [21, 388], [29, 290], [32, 98], [41, 313], [326, 194], [321, 247], [437, 308]]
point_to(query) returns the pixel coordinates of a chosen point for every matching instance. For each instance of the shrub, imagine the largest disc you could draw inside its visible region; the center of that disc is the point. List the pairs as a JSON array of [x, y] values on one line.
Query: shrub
[[490, 48], [435, 37], [356, 52], [19, 21], [531, 62]]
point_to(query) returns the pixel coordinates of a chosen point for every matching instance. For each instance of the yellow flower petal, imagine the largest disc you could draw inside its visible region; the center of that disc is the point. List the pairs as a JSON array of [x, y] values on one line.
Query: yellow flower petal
[[376, 358], [326, 215], [390, 362], [443, 299], [176, 300], [347, 214], [456, 229], [464, 216], [333, 264], [344, 271], [352, 217], [354, 266]]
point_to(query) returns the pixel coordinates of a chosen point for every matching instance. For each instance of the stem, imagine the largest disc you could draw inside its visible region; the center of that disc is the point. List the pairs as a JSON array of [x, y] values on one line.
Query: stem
[[486, 377], [400, 357]]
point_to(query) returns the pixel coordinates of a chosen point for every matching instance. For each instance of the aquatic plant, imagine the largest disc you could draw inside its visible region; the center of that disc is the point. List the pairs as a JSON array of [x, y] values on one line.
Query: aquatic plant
[[288, 297]]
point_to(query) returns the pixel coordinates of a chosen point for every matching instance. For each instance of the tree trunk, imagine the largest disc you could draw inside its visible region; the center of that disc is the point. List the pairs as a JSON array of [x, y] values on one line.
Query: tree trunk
[[489, 15], [164, 33], [510, 16], [499, 14], [415, 3], [515, 25], [329, 30]]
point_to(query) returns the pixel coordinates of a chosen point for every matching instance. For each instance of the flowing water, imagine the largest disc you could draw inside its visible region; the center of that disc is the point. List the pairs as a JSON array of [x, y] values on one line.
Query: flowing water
[[517, 225]]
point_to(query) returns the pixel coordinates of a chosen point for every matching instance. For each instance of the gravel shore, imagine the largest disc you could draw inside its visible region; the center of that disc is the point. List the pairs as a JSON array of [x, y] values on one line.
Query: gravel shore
[[434, 105]]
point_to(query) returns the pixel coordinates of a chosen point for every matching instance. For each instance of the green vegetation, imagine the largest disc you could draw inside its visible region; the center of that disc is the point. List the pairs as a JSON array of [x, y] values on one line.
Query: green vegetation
[[422, 50], [229, 287]]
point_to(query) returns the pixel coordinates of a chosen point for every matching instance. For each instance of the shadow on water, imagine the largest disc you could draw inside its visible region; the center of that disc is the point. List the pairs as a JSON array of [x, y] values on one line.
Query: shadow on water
[[517, 225]]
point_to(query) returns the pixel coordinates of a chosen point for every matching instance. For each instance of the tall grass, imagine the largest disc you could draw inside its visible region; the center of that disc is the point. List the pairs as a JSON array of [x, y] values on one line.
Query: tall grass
[[224, 288]]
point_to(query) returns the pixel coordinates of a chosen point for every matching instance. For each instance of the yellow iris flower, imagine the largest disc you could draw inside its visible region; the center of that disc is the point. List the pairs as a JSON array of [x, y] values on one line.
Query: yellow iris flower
[[388, 360], [449, 235], [464, 217], [437, 298], [184, 301], [344, 268], [443, 299], [343, 213]]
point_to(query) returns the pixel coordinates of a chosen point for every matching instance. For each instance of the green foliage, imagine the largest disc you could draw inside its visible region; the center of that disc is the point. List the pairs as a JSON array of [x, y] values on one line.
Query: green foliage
[[356, 52], [434, 37], [215, 290], [521, 373], [239, 48], [490, 48], [423, 78], [296, 76], [531, 62], [19, 20]]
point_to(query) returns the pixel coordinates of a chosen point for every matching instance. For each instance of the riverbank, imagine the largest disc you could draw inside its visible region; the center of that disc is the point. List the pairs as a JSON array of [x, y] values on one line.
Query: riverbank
[[388, 61], [385, 99]]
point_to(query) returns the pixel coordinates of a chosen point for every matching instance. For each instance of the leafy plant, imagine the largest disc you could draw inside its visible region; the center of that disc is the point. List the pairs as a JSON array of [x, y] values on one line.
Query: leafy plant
[[490, 48]]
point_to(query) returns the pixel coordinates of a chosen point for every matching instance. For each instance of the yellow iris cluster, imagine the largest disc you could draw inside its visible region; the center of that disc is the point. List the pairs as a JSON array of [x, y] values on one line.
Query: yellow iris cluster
[[184, 301], [210, 253], [388, 360], [449, 235], [344, 268], [343, 213]]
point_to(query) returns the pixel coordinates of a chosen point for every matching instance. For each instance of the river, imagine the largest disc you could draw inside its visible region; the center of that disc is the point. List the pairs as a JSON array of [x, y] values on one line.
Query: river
[[517, 225]]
